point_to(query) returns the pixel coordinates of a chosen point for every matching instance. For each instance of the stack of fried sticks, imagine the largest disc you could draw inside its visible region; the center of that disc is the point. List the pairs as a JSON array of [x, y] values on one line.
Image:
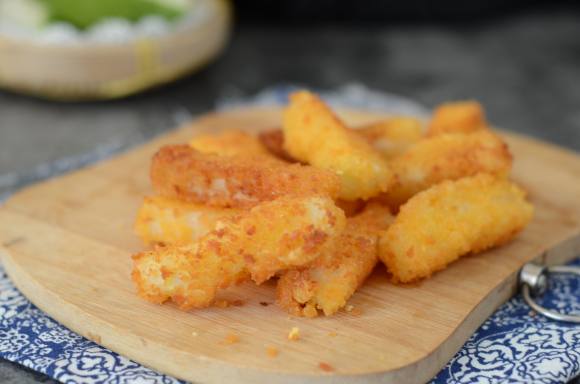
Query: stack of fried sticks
[[318, 204]]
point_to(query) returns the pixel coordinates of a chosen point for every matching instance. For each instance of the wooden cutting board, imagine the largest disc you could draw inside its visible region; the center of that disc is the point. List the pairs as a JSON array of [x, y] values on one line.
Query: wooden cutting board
[[67, 244]]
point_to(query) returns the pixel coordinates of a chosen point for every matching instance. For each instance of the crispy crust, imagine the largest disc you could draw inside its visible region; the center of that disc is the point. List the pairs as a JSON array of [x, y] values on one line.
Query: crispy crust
[[393, 136], [274, 236], [181, 172], [449, 220], [457, 117], [315, 135], [333, 278], [168, 221], [230, 143], [447, 157]]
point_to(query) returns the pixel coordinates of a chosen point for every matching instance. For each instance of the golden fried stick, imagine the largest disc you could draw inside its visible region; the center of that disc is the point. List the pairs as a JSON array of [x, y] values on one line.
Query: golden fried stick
[[230, 143], [313, 134], [181, 172], [332, 279], [446, 157], [393, 136], [274, 236], [457, 117], [449, 220], [390, 137], [163, 220]]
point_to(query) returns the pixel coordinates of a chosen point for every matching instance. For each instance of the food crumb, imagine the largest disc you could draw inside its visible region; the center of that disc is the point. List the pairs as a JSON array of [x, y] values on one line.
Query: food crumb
[[272, 351], [349, 308], [310, 311], [237, 303], [356, 312], [332, 334], [264, 304], [325, 367], [194, 333], [294, 334], [231, 338], [222, 303]]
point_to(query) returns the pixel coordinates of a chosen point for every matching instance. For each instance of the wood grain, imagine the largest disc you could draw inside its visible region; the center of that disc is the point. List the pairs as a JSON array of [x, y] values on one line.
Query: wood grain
[[66, 243]]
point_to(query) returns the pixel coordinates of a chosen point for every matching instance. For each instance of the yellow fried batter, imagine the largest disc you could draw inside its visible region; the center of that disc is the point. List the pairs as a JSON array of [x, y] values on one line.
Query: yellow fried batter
[[392, 137], [288, 232], [446, 157], [163, 220], [230, 143], [313, 134], [181, 172], [457, 117], [333, 278], [449, 220]]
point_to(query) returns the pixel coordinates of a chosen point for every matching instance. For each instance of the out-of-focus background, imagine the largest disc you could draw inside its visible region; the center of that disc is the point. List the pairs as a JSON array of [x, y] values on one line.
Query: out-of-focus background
[[520, 59]]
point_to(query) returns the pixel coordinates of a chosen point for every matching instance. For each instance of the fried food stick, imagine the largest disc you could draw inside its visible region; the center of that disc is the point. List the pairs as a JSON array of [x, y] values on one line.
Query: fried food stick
[[313, 134], [449, 220], [181, 172], [446, 157], [230, 143], [457, 117], [167, 221], [274, 236], [333, 278], [393, 136], [390, 137]]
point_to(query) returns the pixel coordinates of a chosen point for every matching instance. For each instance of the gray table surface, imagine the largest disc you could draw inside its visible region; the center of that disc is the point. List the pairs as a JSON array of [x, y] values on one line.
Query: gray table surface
[[525, 69]]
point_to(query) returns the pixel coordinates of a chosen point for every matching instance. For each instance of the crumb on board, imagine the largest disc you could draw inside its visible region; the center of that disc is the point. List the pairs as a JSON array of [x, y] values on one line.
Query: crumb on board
[[272, 351], [222, 303], [194, 333], [264, 304], [325, 367], [237, 303], [294, 334], [349, 308], [332, 334], [232, 338], [356, 312]]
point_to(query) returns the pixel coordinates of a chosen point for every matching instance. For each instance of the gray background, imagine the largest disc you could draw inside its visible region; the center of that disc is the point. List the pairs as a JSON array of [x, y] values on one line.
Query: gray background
[[525, 70]]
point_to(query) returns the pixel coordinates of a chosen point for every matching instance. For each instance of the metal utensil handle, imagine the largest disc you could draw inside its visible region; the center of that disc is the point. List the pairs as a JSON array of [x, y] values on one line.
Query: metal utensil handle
[[533, 281]]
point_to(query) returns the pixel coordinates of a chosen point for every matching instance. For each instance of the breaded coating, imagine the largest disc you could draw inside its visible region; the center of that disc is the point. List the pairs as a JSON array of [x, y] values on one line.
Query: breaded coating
[[163, 220], [449, 220], [332, 279], [390, 137], [393, 136], [229, 143], [273, 140], [289, 232], [179, 171], [447, 157], [457, 117], [315, 135]]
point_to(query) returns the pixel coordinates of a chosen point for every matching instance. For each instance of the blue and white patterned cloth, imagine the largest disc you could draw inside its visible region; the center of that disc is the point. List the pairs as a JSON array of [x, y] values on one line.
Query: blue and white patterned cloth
[[515, 345]]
